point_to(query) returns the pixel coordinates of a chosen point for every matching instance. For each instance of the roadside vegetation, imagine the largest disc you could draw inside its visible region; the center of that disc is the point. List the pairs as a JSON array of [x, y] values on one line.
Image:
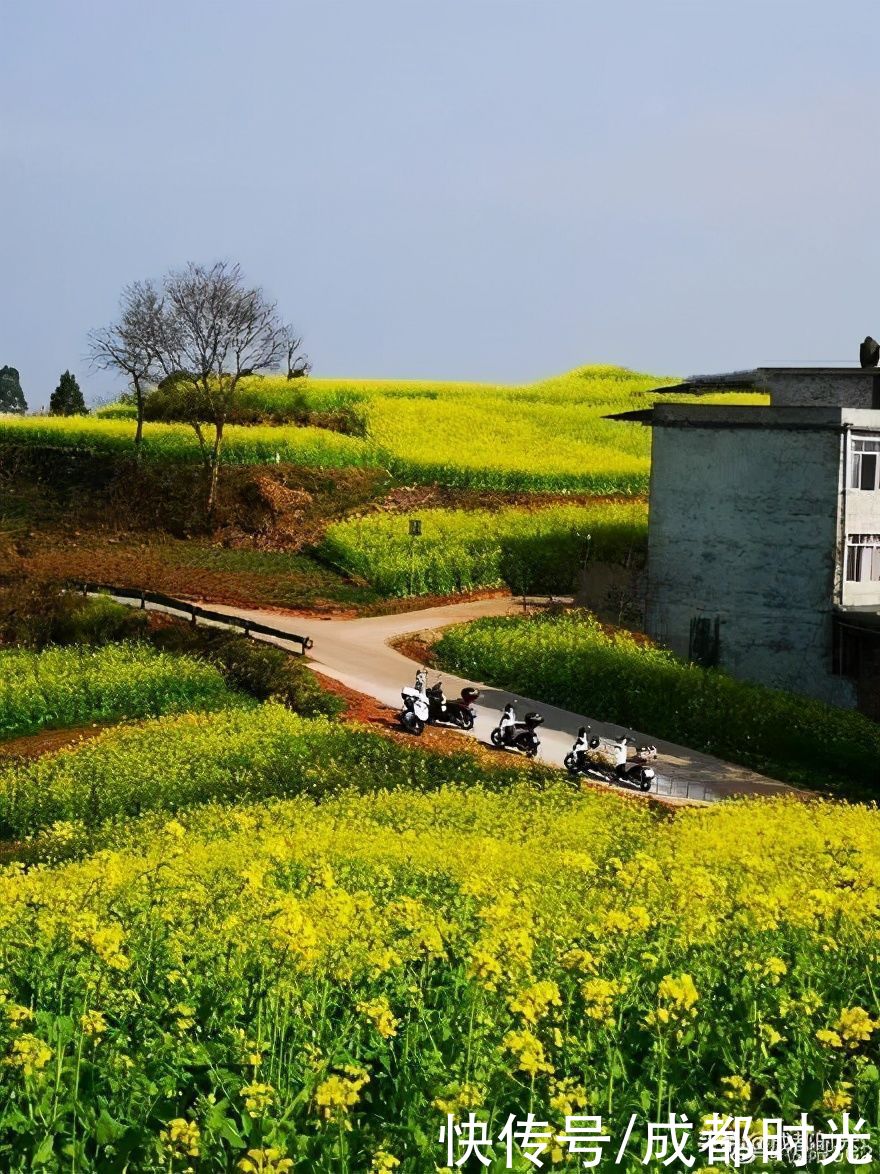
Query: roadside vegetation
[[572, 661], [72, 686], [538, 550]]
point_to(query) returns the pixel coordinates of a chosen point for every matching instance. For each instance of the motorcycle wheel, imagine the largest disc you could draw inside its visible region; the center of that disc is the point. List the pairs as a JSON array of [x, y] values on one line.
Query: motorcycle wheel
[[570, 764], [465, 720], [532, 749], [644, 781], [411, 723], [496, 738]]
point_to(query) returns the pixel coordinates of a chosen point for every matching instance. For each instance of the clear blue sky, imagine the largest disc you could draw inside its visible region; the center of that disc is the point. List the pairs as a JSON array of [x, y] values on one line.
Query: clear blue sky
[[478, 189]]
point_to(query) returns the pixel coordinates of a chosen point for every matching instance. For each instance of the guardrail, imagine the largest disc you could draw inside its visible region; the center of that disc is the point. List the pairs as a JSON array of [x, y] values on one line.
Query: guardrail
[[194, 611]]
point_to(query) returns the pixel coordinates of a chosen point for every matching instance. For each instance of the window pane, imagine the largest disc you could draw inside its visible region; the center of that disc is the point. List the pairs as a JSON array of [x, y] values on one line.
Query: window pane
[[868, 479], [855, 480], [854, 564]]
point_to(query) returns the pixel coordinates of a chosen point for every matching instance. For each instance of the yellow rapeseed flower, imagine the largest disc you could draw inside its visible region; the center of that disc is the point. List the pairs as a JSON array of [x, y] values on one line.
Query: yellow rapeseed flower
[[270, 1160]]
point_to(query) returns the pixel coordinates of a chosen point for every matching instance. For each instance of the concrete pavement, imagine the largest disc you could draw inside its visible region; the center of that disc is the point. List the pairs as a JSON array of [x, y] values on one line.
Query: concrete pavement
[[357, 653]]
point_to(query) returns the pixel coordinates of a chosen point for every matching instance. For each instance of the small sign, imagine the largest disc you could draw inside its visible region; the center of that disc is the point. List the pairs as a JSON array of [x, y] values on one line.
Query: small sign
[[415, 527]]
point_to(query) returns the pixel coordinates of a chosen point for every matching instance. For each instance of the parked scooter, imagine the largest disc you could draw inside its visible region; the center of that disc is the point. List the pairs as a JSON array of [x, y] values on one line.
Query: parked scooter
[[459, 712], [511, 734], [422, 706], [586, 757]]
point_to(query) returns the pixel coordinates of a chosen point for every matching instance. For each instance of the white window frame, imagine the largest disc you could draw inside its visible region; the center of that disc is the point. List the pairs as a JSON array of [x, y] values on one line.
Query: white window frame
[[862, 558], [861, 447]]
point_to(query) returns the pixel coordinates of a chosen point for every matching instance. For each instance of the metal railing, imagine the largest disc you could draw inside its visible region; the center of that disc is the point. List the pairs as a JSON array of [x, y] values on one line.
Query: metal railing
[[133, 595]]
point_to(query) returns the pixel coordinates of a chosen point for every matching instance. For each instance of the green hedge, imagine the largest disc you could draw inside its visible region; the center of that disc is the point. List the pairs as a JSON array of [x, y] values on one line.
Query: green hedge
[[571, 661]]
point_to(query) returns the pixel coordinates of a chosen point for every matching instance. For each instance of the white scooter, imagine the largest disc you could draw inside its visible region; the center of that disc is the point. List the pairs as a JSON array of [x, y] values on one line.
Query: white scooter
[[583, 759], [416, 707]]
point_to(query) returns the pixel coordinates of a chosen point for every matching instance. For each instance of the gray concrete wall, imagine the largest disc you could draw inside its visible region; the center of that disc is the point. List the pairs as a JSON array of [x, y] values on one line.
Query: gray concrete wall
[[809, 387], [744, 528]]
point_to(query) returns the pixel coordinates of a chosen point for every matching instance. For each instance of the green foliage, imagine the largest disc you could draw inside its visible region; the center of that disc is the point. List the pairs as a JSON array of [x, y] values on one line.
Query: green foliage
[[531, 550], [239, 755], [67, 398], [571, 661], [61, 687], [256, 668], [36, 614], [11, 396]]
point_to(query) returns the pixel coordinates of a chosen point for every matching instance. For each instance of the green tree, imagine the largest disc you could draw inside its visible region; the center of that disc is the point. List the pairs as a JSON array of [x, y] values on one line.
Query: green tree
[[11, 395], [67, 399]]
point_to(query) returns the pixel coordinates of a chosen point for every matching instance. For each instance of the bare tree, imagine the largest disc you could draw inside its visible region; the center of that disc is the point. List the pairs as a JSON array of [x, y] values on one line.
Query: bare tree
[[134, 344], [217, 330], [298, 365]]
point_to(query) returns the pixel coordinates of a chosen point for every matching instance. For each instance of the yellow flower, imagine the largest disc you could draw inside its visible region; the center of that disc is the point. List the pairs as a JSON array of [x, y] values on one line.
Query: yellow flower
[[459, 1096], [182, 1138], [258, 1098], [28, 1053], [379, 1013], [265, 1161], [94, 1024], [16, 1014], [567, 1096], [829, 1038], [340, 1092], [383, 1162], [599, 995], [534, 1001], [677, 997], [837, 1099], [737, 1090], [855, 1025], [529, 1052]]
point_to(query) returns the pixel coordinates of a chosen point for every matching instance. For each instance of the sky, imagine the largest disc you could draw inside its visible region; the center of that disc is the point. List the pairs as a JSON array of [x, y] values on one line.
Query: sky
[[465, 189]]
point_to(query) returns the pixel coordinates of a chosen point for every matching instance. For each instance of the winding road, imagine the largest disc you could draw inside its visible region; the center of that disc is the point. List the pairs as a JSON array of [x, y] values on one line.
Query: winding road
[[357, 653]]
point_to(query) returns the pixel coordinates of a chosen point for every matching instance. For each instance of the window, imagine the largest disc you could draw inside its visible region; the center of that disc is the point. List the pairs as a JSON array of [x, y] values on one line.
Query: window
[[865, 463], [863, 558]]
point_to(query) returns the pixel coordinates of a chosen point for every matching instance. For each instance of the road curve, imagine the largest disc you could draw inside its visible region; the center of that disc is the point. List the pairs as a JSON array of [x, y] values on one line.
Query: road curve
[[357, 653]]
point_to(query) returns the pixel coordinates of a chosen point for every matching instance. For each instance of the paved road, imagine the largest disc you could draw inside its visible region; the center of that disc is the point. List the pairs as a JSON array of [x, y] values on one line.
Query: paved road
[[357, 653]]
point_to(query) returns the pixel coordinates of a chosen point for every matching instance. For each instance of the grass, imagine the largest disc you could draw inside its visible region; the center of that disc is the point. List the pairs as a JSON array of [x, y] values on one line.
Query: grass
[[534, 550], [571, 661], [61, 687]]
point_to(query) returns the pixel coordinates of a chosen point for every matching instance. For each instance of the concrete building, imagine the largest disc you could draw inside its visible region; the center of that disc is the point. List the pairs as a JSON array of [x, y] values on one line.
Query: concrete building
[[764, 532]]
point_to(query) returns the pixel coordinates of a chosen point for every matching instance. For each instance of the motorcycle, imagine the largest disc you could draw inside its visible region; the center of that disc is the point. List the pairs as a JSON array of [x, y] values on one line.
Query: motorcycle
[[422, 706], [511, 734], [587, 757], [459, 713]]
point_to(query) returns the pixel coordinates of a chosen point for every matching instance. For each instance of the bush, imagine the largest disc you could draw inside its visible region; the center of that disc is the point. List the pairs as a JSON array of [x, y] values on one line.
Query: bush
[[256, 668], [569, 660], [36, 614]]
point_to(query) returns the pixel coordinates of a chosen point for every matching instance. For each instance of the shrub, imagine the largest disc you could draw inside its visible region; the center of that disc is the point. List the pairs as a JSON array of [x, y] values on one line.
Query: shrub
[[256, 668], [36, 614]]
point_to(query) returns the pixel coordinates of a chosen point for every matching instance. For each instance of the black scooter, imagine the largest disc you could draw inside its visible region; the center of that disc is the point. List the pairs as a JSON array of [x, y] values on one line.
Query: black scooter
[[459, 713], [511, 734]]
